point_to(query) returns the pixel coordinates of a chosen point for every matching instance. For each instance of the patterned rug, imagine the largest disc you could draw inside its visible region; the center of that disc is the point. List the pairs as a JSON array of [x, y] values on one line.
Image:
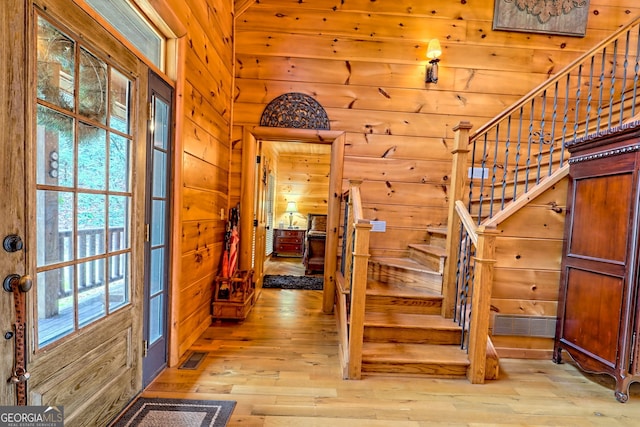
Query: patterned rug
[[293, 282], [152, 412]]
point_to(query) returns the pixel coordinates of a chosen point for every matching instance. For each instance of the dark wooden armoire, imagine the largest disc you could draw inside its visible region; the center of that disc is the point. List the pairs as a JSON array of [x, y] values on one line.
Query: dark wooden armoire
[[598, 300]]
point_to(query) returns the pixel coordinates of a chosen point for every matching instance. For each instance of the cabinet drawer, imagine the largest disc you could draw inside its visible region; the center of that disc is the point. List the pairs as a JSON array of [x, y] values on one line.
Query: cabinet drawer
[[283, 247], [289, 233], [291, 240]]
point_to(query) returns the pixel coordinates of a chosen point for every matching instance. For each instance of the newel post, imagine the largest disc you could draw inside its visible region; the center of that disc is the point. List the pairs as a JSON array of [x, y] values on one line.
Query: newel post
[[457, 189], [358, 297], [481, 303]]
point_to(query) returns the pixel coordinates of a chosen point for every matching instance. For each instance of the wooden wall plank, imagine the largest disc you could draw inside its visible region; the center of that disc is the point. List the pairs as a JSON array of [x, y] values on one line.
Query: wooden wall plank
[[368, 25], [201, 144], [403, 194], [201, 234], [543, 254], [361, 97], [416, 171], [203, 175], [526, 284], [398, 147]]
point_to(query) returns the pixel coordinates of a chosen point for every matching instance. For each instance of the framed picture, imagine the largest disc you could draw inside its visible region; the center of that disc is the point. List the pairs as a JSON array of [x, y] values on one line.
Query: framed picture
[[567, 17]]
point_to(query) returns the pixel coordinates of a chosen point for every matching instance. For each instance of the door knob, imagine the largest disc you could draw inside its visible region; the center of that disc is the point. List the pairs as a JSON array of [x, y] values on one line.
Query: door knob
[[23, 283], [12, 243]]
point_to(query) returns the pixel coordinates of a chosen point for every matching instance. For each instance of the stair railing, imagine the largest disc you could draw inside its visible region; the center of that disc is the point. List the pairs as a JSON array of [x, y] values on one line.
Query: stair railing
[[352, 282], [527, 142], [512, 154]]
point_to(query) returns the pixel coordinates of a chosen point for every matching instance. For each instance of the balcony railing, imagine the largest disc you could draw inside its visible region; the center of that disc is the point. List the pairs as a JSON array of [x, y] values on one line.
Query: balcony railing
[[92, 242]]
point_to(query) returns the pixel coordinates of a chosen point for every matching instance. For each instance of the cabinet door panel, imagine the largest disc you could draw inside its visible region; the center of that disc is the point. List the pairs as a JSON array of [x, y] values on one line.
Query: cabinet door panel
[[593, 311], [601, 215]]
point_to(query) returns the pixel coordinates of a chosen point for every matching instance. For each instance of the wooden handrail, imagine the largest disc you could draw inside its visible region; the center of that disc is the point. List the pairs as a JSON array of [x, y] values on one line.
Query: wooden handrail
[[467, 221]]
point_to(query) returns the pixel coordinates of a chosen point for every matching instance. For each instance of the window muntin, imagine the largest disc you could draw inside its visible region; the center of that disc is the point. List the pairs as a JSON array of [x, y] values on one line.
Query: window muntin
[[134, 27], [83, 185]]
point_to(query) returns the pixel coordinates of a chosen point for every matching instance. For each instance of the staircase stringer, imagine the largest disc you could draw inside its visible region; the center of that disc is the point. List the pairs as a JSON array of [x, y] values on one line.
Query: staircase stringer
[[522, 201]]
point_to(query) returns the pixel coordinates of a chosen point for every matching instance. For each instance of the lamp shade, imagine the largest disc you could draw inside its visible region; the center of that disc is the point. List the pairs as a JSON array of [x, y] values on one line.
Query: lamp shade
[[434, 50], [291, 207]]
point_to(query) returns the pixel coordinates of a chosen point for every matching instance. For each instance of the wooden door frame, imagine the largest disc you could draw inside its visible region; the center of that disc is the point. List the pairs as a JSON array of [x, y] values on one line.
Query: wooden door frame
[[250, 138]]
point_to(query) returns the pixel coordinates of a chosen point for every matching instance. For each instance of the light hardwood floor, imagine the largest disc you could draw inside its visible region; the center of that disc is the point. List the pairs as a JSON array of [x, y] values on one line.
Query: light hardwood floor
[[284, 266], [281, 367]]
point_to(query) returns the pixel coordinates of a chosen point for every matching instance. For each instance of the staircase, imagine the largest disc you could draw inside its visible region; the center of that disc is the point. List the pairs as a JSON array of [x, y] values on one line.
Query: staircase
[[404, 332], [390, 310]]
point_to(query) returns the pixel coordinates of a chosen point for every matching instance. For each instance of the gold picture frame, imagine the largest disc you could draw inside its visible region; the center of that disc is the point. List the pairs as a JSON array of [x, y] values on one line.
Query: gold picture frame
[[556, 17]]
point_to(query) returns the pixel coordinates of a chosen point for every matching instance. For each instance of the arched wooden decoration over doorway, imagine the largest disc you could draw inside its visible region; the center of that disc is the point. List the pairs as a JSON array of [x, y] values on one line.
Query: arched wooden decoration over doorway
[[295, 110]]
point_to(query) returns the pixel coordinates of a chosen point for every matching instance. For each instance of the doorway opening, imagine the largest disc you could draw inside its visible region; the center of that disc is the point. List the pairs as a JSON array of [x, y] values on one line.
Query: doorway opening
[[296, 206], [254, 139]]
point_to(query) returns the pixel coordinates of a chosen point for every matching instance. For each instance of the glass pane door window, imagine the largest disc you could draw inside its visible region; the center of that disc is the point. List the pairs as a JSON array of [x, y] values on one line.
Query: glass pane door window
[[83, 185], [159, 220], [157, 248]]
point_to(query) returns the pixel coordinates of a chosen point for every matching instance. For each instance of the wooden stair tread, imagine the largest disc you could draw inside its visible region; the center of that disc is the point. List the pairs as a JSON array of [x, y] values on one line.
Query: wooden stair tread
[[437, 230], [430, 249], [406, 320], [405, 263], [375, 287], [414, 353]]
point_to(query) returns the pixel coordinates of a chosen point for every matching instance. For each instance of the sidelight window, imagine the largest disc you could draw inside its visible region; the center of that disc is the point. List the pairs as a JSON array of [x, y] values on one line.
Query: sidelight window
[[83, 146]]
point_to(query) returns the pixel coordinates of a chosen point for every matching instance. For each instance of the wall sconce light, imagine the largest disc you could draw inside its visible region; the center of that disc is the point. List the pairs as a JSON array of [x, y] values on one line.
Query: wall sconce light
[[433, 53], [291, 208]]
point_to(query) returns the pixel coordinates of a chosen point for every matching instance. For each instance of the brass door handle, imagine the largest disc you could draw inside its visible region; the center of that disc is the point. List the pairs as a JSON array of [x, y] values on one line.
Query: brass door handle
[[24, 283]]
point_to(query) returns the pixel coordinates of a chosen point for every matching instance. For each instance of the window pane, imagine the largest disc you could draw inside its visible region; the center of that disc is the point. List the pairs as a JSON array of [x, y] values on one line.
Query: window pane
[[91, 291], [159, 173], [55, 156], [119, 161], [91, 224], [133, 26], [92, 152], [161, 124], [156, 319], [93, 87], [54, 227], [118, 222], [157, 270], [118, 281], [83, 185], [157, 222], [120, 95], [55, 304], [55, 62]]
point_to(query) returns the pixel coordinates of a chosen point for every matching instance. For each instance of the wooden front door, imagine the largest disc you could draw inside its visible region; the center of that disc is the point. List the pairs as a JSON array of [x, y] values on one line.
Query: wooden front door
[[12, 177], [79, 204]]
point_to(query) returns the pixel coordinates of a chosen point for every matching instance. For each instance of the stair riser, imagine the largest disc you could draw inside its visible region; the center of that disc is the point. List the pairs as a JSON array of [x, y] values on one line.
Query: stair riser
[[434, 262], [437, 239], [434, 370], [412, 279], [403, 305], [413, 335]]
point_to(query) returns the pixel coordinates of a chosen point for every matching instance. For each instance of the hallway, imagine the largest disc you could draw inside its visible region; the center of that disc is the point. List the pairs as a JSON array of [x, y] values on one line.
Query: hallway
[[281, 366]]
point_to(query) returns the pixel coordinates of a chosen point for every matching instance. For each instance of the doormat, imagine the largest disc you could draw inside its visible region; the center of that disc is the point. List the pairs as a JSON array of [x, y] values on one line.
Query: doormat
[[153, 412], [293, 282], [194, 360]]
